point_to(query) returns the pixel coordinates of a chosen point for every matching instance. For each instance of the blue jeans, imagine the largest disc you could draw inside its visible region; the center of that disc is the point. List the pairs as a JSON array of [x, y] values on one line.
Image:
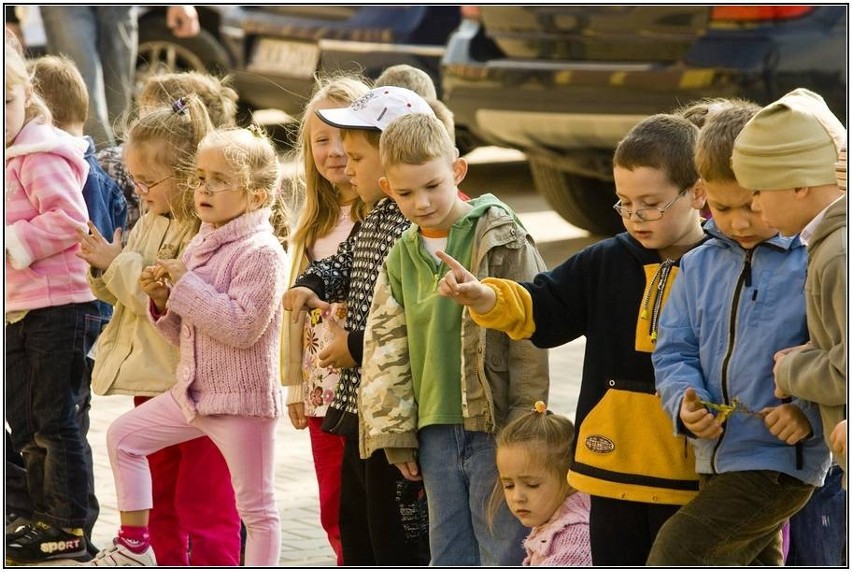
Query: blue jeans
[[818, 531], [101, 40], [46, 388], [460, 474]]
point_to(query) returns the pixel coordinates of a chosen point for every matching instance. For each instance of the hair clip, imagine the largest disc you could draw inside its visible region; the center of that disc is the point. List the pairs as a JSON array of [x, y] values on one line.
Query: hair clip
[[256, 130], [180, 105], [540, 407]]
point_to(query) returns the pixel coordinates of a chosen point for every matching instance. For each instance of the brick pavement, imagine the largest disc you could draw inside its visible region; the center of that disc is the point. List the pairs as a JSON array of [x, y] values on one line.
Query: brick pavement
[[303, 541]]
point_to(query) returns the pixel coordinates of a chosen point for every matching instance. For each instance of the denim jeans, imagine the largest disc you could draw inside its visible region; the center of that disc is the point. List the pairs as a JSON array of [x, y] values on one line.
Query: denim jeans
[[460, 473], [735, 520], [46, 391], [101, 40], [818, 531]]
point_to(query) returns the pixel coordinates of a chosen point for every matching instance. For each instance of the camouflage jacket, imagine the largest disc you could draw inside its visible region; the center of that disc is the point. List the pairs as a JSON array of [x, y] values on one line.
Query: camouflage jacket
[[501, 378]]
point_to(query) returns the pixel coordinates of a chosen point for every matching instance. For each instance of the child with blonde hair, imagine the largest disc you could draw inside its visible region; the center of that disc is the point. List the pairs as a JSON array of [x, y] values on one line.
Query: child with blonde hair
[[331, 210], [134, 359], [51, 321], [162, 90], [533, 456], [221, 304], [435, 419]]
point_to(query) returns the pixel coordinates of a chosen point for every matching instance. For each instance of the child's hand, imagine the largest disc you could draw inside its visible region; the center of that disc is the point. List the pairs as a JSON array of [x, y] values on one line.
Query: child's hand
[[787, 422], [336, 353], [777, 358], [298, 298], [154, 286], [296, 411], [409, 470], [463, 287], [838, 439], [171, 269], [95, 250], [697, 418]]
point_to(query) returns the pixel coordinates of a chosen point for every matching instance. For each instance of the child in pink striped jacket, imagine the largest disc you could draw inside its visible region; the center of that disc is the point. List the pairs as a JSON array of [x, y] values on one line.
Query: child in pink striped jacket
[[51, 322]]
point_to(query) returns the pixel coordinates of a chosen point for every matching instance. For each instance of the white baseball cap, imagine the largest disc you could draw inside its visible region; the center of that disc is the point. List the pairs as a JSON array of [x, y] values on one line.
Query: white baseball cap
[[376, 109]]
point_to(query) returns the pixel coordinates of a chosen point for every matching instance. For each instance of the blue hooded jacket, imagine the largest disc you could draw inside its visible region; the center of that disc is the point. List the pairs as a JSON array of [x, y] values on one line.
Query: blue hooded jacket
[[728, 313]]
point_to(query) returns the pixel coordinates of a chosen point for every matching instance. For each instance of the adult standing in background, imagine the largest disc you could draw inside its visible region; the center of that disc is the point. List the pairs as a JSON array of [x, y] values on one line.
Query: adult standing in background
[[102, 41]]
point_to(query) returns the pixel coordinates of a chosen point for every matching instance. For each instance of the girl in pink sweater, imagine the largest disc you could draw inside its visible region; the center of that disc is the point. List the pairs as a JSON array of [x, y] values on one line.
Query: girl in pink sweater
[[221, 304], [533, 453]]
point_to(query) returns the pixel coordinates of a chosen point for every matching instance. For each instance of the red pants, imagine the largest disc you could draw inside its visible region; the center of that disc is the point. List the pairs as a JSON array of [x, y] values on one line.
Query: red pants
[[327, 450], [194, 521]]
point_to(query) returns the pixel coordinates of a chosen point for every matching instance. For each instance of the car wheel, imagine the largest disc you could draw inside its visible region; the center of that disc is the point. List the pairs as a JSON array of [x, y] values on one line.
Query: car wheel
[[585, 202], [161, 52]]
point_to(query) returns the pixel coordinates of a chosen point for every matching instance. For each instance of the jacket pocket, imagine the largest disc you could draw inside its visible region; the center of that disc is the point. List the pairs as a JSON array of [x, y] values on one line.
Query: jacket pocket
[[628, 439]]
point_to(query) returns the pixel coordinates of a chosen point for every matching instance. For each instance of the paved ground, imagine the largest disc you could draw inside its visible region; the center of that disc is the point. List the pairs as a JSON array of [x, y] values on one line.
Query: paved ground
[[303, 541]]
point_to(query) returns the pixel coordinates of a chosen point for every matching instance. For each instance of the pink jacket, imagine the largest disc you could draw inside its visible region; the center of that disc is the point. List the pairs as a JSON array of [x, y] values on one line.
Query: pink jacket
[[225, 315], [45, 172], [564, 539]]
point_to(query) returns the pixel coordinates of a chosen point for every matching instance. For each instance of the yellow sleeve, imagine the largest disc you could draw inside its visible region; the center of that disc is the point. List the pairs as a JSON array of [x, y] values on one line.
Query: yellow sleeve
[[512, 313]]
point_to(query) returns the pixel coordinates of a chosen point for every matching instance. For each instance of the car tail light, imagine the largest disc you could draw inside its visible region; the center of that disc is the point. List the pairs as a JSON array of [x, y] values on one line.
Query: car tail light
[[758, 13], [471, 13]]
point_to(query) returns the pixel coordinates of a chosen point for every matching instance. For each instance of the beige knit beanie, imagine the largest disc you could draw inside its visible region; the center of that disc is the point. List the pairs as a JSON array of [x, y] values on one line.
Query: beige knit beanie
[[793, 142]]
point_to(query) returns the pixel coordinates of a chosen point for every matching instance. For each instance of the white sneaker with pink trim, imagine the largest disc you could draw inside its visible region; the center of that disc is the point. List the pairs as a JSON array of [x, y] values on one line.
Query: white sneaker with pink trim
[[119, 555]]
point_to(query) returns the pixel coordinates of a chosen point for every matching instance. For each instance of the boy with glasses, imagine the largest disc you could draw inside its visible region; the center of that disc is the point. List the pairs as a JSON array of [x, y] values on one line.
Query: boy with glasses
[[612, 293]]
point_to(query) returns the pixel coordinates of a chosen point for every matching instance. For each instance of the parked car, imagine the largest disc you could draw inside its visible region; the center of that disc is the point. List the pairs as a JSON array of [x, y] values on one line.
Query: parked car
[[565, 83], [273, 51]]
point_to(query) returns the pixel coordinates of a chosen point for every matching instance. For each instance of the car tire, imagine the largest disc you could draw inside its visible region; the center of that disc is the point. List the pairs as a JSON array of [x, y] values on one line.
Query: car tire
[[161, 52], [585, 202]]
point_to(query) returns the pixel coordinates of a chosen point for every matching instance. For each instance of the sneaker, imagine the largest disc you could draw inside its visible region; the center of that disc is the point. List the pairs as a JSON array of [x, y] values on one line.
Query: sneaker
[[119, 555], [40, 542], [16, 528]]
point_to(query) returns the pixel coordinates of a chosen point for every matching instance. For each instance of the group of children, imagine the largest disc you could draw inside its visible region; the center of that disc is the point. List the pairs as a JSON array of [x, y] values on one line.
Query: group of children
[[409, 324]]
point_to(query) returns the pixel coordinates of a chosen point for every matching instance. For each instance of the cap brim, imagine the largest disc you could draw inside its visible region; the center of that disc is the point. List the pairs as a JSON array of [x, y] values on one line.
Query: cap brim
[[344, 118]]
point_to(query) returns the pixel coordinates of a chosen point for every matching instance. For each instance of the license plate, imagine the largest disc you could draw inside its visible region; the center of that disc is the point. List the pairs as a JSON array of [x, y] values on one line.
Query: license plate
[[294, 59]]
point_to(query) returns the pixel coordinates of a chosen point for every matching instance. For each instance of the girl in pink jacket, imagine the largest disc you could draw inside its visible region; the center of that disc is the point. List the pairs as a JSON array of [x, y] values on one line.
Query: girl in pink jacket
[[533, 453], [221, 305], [51, 323]]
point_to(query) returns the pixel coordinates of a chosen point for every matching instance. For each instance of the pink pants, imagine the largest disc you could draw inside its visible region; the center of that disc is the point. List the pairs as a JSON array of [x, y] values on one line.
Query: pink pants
[[247, 443], [194, 505], [327, 450]]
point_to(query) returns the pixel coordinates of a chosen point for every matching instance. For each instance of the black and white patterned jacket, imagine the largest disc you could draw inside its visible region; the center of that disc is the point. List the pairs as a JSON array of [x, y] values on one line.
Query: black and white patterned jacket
[[351, 275]]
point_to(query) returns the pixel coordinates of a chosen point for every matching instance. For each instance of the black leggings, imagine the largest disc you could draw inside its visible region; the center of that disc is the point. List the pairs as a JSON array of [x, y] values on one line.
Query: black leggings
[[383, 517], [622, 532]]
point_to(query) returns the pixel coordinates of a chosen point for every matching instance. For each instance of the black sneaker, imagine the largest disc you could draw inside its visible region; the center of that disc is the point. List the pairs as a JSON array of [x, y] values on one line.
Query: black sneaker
[[41, 542], [16, 528]]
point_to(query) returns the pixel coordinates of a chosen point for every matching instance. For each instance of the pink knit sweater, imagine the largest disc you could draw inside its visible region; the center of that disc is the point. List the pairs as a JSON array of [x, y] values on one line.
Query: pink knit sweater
[[225, 315], [564, 539]]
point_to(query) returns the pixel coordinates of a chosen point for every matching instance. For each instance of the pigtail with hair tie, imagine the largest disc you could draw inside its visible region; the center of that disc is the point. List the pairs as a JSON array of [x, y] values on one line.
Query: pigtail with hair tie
[[540, 407], [180, 105]]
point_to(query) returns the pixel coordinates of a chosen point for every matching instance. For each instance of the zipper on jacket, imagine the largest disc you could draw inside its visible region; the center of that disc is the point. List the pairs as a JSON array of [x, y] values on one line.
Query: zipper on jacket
[[744, 279]]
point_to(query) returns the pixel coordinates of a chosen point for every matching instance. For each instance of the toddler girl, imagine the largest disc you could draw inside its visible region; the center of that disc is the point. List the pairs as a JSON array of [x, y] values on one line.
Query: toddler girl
[[221, 303], [331, 208], [51, 321], [533, 453], [193, 500]]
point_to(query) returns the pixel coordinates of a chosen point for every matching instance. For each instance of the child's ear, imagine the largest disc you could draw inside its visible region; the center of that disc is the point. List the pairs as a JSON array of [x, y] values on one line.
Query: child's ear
[[384, 185], [459, 170], [257, 197], [698, 195]]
